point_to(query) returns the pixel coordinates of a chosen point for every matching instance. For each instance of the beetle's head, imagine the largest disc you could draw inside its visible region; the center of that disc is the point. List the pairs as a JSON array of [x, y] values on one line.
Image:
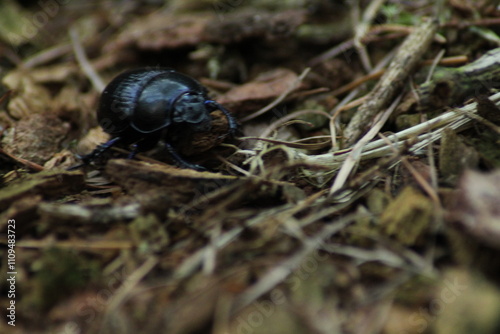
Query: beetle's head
[[190, 108]]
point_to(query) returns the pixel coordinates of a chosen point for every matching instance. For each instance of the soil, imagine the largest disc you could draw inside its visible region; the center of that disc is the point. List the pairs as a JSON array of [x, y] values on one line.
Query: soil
[[359, 195]]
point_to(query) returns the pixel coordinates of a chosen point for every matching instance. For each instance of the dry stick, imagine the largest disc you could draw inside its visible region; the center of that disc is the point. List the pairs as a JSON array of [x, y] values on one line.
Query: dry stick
[[31, 165], [346, 102], [361, 31], [406, 59], [84, 63], [448, 61], [267, 131], [47, 55], [358, 82]]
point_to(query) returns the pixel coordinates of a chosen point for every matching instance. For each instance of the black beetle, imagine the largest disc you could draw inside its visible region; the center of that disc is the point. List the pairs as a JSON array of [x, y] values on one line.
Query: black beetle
[[142, 106]]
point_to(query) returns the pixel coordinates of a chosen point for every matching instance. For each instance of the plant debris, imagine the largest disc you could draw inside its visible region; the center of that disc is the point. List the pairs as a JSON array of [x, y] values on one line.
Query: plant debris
[[360, 194]]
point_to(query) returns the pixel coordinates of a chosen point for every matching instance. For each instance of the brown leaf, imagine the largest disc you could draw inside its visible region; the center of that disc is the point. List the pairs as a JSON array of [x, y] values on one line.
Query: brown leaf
[[263, 88]]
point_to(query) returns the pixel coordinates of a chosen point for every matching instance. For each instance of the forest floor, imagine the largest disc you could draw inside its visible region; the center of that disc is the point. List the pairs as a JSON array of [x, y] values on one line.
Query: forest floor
[[360, 193]]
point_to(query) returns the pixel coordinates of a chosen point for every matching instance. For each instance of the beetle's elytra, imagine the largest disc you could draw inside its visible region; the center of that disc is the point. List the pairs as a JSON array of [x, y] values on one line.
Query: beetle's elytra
[[142, 106]]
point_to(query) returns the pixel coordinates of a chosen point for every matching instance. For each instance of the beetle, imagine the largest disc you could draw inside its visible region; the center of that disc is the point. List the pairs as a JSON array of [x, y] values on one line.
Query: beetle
[[140, 107]]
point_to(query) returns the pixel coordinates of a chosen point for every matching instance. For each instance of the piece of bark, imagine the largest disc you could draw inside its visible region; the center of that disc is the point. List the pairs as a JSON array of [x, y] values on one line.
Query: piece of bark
[[48, 184], [408, 56], [451, 86], [180, 185]]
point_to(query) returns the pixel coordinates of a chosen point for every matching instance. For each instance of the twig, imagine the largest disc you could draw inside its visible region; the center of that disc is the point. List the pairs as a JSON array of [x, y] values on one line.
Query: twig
[[435, 62], [346, 104], [358, 82], [494, 21], [291, 116], [31, 165], [47, 55], [361, 30], [406, 59], [448, 61], [87, 68]]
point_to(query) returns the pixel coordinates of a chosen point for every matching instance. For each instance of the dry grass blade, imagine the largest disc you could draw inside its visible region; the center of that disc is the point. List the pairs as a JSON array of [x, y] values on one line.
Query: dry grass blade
[[418, 137], [300, 221], [278, 274], [130, 283], [303, 146], [355, 155]]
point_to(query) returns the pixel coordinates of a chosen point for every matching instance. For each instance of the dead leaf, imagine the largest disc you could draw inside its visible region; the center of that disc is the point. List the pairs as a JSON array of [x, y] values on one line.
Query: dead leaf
[[262, 89]]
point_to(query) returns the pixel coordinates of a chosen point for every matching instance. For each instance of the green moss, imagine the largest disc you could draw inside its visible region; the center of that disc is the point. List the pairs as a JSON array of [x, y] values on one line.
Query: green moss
[[58, 273]]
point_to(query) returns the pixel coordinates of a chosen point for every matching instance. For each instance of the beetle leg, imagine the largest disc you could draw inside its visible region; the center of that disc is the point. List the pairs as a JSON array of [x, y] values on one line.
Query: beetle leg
[[133, 152], [232, 124], [100, 149], [180, 161]]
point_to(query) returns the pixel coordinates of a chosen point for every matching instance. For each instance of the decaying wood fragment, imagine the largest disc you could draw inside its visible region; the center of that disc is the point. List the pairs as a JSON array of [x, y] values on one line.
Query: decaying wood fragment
[[408, 56], [179, 185], [451, 86], [47, 183]]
